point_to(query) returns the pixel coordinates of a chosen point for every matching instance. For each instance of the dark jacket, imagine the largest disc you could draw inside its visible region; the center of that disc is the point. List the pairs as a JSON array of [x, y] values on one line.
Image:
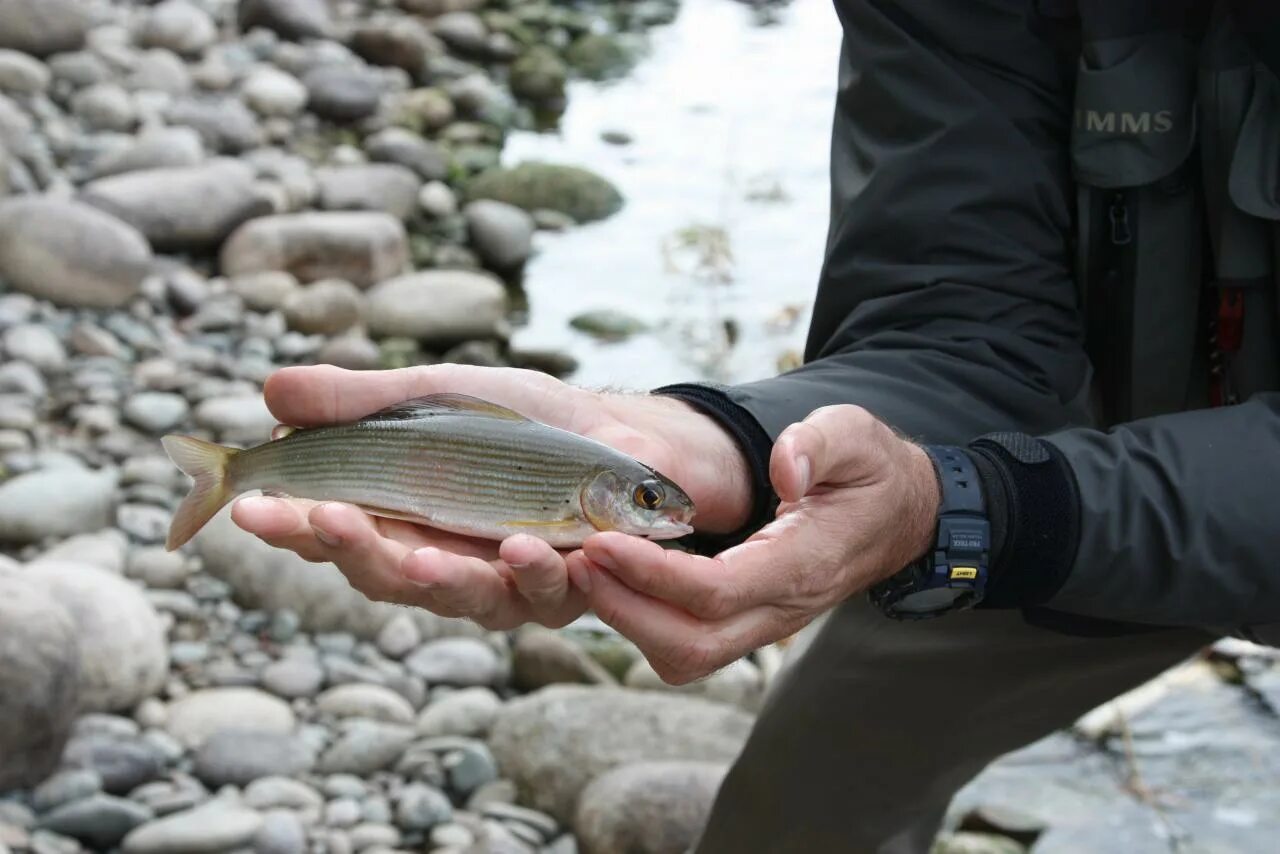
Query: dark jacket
[[955, 301]]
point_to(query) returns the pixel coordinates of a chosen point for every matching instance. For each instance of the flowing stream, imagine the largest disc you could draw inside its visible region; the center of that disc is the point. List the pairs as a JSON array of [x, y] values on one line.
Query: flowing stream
[[719, 245]]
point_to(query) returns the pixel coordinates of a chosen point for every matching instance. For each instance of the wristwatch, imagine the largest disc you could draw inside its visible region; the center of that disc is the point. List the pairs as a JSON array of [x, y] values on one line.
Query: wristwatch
[[952, 576]]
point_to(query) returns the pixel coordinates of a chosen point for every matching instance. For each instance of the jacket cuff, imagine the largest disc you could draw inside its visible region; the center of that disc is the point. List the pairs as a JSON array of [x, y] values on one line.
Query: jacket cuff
[[756, 446], [1033, 506]]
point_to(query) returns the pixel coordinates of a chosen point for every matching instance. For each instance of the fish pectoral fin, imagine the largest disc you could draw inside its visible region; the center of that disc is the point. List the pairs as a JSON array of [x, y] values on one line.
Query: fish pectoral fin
[[442, 404]]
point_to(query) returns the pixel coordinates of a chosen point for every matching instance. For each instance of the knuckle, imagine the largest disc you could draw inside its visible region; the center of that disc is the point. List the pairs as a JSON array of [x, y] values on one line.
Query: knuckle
[[857, 419], [715, 602]]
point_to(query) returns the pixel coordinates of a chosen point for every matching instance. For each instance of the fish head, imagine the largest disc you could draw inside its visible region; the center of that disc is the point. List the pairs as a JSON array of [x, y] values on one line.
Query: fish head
[[637, 500]]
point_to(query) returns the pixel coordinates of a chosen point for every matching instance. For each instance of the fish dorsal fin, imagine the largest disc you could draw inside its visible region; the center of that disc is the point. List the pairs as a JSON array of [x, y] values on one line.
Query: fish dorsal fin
[[444, 404]]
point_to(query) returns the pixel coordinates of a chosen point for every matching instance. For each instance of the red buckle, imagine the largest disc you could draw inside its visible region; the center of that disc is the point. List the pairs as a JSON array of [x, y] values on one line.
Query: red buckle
[[1230, 319]]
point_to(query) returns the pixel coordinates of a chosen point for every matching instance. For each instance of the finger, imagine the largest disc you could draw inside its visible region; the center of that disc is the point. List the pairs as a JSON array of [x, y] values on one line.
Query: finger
[[680, 647], [323, 394], [279, 523], [469, 586], [833, 445], [350, 538], [539, 572], [705, 587]]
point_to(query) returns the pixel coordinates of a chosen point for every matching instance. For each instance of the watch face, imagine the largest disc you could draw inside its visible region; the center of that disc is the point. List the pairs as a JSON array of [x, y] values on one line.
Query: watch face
[[929, 601]]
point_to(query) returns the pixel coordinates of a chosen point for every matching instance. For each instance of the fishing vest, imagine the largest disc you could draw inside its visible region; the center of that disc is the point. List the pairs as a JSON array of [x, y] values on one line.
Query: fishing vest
[[1175, 153]]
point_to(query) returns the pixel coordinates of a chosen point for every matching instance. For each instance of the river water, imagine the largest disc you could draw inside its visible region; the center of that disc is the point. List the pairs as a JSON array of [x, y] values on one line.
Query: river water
[[730, 121]]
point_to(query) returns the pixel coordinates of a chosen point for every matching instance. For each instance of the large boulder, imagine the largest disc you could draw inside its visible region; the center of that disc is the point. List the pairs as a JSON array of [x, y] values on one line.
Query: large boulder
[[39, 681], [271, 579], [363, 248], [70, 253], [42, 27], [438, 306], [56, 502], [648, 807], [124, 657], [554, 742], [191, 207], [534, 185]]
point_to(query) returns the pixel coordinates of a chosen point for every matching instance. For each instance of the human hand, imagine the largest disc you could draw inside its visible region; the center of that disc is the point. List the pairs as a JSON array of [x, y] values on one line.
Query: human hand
[[858, 504], [498, 585]]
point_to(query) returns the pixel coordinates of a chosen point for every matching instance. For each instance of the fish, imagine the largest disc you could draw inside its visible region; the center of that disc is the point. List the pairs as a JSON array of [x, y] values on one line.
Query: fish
[[452, 462]]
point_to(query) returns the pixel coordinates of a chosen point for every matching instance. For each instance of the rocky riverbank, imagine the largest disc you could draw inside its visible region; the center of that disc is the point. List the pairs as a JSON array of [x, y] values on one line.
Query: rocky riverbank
[[194, 193]]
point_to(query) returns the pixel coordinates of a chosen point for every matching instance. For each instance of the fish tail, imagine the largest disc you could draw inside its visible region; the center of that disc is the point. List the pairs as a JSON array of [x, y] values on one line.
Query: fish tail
[[206, 464]]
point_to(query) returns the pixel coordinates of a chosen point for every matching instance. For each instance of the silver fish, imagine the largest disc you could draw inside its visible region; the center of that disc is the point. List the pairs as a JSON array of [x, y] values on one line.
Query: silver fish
[[448, 461]]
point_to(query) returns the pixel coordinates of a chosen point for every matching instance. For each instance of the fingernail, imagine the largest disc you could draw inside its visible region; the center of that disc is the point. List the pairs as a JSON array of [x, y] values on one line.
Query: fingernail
[[421, 555], [330, 540], [606, 560], [803, 466], [581, 577], [258, 502], [519, 566]]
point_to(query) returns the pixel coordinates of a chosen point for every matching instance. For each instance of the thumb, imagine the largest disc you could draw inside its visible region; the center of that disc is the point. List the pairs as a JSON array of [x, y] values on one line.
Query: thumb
[[833, 445]]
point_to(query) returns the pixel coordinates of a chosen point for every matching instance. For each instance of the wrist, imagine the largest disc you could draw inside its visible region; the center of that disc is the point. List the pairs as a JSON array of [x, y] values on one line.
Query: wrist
[[924, 498]]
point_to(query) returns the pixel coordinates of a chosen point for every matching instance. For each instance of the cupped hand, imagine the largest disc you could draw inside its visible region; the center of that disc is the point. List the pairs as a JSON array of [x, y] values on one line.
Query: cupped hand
[[498, 585], [858, 503]]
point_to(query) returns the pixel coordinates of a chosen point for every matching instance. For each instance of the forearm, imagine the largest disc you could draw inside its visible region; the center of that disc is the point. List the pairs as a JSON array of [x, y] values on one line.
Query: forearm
[[1167, 521]]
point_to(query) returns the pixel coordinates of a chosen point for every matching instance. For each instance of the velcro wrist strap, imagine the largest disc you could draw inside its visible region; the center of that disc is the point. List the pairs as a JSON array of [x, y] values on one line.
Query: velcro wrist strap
[[1039, 530]]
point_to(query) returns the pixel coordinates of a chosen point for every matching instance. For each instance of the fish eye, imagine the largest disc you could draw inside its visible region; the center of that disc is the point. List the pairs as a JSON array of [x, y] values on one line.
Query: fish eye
[[650, 495]]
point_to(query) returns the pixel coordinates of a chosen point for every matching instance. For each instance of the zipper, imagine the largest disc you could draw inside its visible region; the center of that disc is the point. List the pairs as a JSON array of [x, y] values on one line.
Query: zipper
[[1121, 233], [1123, 261]]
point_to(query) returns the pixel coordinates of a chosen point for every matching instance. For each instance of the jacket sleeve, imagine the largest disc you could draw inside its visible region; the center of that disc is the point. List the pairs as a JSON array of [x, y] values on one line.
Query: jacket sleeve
[[946, 303], [1175, 518]]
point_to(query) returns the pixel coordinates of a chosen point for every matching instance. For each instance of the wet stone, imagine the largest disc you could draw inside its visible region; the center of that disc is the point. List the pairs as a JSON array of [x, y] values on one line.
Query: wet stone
[[64, 787]]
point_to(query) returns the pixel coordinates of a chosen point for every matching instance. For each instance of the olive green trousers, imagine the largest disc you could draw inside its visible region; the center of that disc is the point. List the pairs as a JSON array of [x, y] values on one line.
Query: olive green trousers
[[868, 734]]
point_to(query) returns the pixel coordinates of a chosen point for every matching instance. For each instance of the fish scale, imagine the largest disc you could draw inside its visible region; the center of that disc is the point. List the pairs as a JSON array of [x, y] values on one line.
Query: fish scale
[[450, 461]]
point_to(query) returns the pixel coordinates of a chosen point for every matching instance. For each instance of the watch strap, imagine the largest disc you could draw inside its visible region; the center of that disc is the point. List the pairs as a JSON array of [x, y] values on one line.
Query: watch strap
[[953, 573]]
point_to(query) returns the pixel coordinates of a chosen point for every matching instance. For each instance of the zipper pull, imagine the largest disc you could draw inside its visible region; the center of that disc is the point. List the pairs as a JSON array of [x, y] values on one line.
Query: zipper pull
[[1120, 233]]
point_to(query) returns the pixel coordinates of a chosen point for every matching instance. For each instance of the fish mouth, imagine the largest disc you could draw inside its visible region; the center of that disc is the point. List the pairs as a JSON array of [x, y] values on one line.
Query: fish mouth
[[669, 530], [680, 521]]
